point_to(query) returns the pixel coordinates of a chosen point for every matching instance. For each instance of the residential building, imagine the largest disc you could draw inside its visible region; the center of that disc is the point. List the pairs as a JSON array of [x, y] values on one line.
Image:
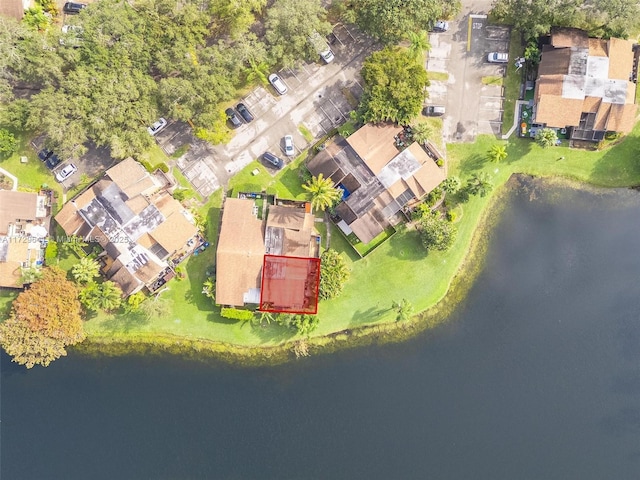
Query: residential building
[[381, 172], [143, 230], [257, 230], [14, 8], [586, 85], [24, 226]]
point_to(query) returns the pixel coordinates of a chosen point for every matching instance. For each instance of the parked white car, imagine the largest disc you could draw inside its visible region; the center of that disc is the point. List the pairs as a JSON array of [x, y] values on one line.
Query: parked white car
[[289, 149], [156, 127], [278, 84], [66, 172], [498, 57]]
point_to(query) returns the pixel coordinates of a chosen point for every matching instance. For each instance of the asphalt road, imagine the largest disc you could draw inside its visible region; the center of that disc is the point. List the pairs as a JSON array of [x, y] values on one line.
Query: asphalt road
[[318, 99], [471, 107]]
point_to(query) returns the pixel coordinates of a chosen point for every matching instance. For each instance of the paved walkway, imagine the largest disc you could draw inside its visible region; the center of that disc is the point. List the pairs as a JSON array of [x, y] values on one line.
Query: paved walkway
[[516, 119], [12, 177]]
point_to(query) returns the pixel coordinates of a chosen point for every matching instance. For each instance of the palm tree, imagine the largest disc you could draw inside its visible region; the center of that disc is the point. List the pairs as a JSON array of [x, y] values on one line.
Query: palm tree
[[480, 184], [111, 296], [497, 153], [323, 194], [451, 185], [106, 296], [85, 270], [209, 288], [419, 43], [422, 132], [403, 309], [257, 71]]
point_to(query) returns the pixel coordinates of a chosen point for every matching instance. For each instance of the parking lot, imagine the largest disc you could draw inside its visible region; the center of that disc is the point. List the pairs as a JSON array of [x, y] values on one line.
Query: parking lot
[[472, 107], [320, 96]]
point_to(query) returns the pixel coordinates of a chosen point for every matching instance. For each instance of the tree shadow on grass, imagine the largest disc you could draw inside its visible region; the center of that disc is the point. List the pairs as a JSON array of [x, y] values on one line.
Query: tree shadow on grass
[[291, 180], [272, 333], [619, 165], [473, 163], [125, 322], [407, 246], [518, 148], [371, 314]]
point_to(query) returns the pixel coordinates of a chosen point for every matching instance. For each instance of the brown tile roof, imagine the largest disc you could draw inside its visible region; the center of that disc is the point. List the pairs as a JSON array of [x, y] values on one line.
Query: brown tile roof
[[602, 116], [549, 85], [366, 228], [85, 198], [16, 205], [323, 163], [131, 177], [622, 118], [555, 111], [137, 204], [397, 188], [558, 112], [12, 9], [375, 144], [149, 272], [174, 232], [598, 47], [166, 203], [569, 37], [287, 217], [620, 59], [591, 104], [555, 61], [146, 241], [10, 274], [240, 252], [125, 279], [144, 186]]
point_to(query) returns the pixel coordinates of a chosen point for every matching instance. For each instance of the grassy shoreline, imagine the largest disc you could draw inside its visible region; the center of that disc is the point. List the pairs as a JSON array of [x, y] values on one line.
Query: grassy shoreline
[[435, 282]]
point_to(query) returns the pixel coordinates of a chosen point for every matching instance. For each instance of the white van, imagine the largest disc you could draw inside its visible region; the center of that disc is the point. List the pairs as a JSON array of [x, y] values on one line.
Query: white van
[[278, 84]]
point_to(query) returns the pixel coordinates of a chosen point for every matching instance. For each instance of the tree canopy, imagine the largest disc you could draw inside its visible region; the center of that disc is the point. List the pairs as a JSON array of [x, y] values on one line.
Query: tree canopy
[[394, 86], [391, 20], [323, 194], [138, 60], [290, 26], [334, 273], [44, 320], [436, 232], [601, 18]]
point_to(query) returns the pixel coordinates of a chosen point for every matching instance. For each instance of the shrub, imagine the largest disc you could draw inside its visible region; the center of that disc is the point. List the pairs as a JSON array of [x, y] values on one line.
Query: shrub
[[236, 314], [8, 143], [180, 194], [163, 167], [147, 166], [51, 252], [452, 216], [333, 274], [546, 137], [437, 233], [440, 162]]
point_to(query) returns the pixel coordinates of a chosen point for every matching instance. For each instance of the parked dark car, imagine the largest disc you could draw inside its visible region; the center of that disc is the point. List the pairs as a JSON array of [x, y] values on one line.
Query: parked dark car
[[273, 160], [433, 110], [73, 8], [52, 162], [233, 117], [44, 154], [244, 112]]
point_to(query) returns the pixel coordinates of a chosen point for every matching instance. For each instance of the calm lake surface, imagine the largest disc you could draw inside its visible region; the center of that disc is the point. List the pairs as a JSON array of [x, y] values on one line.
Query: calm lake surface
[[536, 376]]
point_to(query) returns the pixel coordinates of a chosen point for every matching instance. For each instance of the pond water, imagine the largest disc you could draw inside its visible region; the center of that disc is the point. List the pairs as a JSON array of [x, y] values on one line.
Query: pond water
[[536, 376]]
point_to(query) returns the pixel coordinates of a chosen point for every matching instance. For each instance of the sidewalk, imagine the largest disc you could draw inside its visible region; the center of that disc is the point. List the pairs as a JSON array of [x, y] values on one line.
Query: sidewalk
[[12, 177]]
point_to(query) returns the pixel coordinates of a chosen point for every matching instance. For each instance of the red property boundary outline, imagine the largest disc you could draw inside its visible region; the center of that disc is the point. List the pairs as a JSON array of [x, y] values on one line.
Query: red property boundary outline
[[317, 290]]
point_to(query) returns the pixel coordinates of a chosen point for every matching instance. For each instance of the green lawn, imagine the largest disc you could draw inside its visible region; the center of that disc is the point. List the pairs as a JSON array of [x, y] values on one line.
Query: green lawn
[[398, 268], [438, 76], [33, 174], [492, 80], [512, 81]]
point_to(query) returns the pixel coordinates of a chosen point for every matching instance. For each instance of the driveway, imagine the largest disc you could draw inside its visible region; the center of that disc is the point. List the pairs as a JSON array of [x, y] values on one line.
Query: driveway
[[472, 108], [319, 98]]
